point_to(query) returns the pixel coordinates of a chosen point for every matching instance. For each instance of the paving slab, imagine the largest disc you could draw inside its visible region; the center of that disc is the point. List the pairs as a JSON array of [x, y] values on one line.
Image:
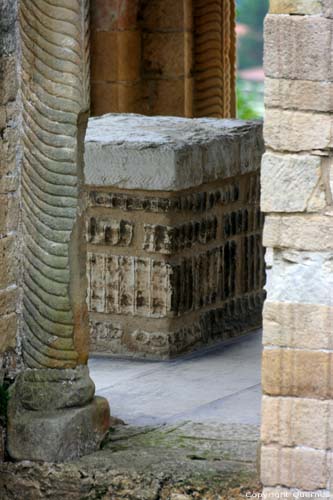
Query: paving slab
[[220, 384]]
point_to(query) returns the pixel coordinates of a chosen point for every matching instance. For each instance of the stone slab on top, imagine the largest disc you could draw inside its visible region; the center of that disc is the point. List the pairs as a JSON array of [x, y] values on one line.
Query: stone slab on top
[[131, 151]]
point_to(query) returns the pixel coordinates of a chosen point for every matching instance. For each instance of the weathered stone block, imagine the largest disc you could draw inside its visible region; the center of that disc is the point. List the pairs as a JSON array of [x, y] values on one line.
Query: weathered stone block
[[294, 467], [170, 239], [8, 79], [168, 154], [303, 95], [8, 300], [40, 390], [124, 338], [103, 231], [104, 63], [298, 47], [296, 372], [8, 330], [129, 68], [157, 97], [157, 48], [304, 326], [185, 262], [297, 131], [8, 150], [302, 277], [57, 435], [9, 213], [311, 233], [307, 7], [8, 268], [167, 15], [292, 183], [294, 422], [8, 20]]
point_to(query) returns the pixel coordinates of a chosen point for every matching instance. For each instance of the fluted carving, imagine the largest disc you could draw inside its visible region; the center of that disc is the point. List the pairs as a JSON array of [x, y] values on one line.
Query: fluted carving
[[214, 58], [55, 99]]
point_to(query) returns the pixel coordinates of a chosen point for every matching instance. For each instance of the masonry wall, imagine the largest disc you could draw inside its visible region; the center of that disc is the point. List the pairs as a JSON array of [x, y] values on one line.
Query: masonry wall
[[297, 183], [9, 197], [163, 57], [9, 183]]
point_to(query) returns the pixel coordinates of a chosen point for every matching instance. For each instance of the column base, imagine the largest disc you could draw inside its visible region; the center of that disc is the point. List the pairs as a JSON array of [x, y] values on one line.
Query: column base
[[57, 436]]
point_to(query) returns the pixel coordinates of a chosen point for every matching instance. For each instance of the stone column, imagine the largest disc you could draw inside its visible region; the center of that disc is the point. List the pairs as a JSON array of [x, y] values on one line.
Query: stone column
[[297, 169], [53, 415]]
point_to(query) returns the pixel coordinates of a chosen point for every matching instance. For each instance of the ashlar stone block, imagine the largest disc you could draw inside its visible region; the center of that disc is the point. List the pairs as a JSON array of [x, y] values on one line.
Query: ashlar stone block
[[302, 7], [304, 326], [294, 422], [297, 131], [297, 372], [303, 95], [292, 183], [302, 277], [174, 230], [296, 7], [294, 231], [301, 468], [168, 154], [298, 47]]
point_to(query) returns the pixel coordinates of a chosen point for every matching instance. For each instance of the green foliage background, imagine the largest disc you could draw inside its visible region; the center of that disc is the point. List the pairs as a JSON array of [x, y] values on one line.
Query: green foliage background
[[252, 13], [245, 108]]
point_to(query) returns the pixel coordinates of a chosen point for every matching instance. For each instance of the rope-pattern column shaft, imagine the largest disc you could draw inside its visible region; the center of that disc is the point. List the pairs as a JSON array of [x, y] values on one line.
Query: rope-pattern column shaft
[[55, 79]]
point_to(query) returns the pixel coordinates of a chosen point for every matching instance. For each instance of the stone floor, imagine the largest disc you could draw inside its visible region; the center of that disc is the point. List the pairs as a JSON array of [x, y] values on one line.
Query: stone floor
[[193, 433], [220, 384]]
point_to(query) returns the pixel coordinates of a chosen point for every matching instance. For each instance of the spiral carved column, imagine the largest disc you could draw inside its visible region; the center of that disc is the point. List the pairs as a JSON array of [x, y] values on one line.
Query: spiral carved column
[[55, 107]]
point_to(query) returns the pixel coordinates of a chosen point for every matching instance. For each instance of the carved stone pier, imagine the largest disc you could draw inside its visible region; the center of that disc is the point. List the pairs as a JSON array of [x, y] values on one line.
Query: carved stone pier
[[175, 260]]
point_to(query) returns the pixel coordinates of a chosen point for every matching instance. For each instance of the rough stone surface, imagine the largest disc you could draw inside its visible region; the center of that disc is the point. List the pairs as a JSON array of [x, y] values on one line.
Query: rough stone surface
[[168, 154], [297, 372], [9, 262], [308, 272], [298, 47], [292, 183], [307, 7], [297, 131], [304, 95], [41, 390], [162, 271], [301, 468], [8, 18], [188, 461], [311, 426], [312, 233], [8, 331], [56, 435], [307, 326]]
